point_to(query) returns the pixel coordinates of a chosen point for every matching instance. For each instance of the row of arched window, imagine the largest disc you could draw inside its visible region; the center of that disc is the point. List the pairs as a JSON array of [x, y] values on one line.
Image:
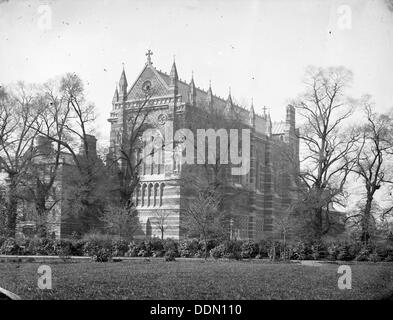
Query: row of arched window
[[150, 194]]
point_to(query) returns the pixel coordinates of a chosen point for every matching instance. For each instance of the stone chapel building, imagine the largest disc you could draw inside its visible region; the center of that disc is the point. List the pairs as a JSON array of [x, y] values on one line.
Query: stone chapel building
[[252, 199]]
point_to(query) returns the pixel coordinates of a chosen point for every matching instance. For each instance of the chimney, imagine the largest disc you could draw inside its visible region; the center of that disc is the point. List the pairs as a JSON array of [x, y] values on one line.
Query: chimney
[[290, 118], [91, 145], [43, 145]]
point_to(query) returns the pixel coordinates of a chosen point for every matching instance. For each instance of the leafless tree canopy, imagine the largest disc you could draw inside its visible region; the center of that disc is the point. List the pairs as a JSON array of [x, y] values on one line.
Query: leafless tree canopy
[[328, 149], [19, 109], [372, 164]]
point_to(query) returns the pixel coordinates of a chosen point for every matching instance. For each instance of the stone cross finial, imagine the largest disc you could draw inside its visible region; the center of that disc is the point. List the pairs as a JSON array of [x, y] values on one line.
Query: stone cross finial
[[149, 53], [264, 109]]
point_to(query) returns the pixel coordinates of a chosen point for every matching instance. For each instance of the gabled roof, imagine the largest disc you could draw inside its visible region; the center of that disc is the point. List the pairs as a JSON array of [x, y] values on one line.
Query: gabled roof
[[148, 73], [161, 81]]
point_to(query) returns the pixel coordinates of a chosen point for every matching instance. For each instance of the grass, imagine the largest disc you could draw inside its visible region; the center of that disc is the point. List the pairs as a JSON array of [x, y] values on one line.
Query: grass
[[196, 280]]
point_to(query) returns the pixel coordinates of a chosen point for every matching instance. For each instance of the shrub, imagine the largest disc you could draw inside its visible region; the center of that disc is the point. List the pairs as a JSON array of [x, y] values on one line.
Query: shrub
[[143, 250], [374, 257], [318, 250], [41, 246], [232, 249], [301, 251], [285, 251], [249, 249], [200, 254], [76, 247], [364, 254], [155, 246], [389, 258], [63, 248], [91, 248], [344, 253], [384, 250], [188, 248], [2, 240], [333, 250], [10, 246], [210, 244], [354, 248], [171, 245], [158, 254], [218, 252], [144, 253], [170, 255], [263, 249], [119, 248], [102, 255], [274, 251], [93, 243], [133, 250]]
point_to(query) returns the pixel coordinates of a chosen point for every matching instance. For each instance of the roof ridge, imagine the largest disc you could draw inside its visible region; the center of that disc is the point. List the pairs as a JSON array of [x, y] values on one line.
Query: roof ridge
[[202, 90]]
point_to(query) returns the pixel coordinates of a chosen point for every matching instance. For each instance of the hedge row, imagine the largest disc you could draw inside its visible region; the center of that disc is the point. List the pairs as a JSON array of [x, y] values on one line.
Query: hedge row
[[103, 248]]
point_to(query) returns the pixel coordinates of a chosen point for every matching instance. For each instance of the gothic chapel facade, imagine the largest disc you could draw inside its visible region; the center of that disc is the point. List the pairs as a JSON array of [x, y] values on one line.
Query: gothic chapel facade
[[263, 192]]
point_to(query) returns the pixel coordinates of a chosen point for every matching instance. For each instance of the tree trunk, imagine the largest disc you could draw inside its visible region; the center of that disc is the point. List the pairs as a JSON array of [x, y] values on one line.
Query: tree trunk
[[365, 232], [205, 248], [41, 216], [318, 224], [12, 205]]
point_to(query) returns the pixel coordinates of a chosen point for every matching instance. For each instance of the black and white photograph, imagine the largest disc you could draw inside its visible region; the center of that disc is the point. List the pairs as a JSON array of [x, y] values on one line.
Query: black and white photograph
[[197, 152]]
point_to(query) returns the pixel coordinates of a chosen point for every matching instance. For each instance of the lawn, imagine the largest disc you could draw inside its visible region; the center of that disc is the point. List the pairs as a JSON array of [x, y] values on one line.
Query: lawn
[[157, 279]]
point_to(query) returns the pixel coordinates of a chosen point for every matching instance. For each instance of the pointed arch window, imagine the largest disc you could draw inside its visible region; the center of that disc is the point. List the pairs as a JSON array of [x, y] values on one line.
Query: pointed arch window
[[156, 187], [149, 194], [143, 195], [162, 187], [138, 195]]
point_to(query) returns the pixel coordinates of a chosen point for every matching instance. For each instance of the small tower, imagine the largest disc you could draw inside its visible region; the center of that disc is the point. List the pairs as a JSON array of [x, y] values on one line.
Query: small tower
[[115, 96], [229, 105], [252, 115], [269, 124], [264, 112], [290, 118], [123, 85], [210, 96], [174, 78], [192, 92]]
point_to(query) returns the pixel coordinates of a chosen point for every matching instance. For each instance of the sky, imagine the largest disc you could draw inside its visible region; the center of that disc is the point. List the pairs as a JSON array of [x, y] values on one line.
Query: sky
[[258, 48]]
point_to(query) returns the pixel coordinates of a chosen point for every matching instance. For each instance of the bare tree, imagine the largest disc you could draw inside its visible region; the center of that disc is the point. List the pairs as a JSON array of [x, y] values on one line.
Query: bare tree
[[39, 184], [375, 151], [328, 149], [121, 221], [127, 158], [18, 112], [283, 224], [3, 211], [68, 122], [202, 217], [160, 221]]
